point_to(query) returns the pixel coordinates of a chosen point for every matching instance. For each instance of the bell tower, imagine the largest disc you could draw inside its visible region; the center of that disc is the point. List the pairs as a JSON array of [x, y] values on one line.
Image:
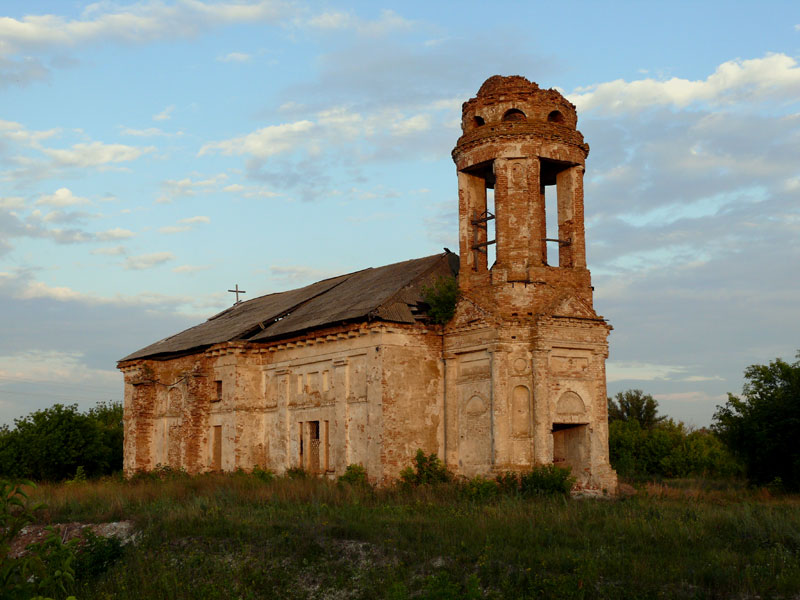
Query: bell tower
[[520, 144], [525, 354]]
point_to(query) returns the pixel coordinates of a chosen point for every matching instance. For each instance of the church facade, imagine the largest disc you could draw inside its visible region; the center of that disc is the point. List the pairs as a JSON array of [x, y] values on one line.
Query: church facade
[[352, 369]]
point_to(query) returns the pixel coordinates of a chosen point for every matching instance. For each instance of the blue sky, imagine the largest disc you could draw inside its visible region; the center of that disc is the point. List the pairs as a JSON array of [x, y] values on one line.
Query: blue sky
[[154, 154]]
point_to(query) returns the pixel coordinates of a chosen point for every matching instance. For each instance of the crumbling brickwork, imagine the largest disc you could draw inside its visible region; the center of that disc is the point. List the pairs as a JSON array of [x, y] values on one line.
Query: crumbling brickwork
[[516, 379]]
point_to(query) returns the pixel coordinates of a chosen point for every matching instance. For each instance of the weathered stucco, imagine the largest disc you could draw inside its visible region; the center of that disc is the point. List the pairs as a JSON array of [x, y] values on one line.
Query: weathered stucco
[[515, 379]]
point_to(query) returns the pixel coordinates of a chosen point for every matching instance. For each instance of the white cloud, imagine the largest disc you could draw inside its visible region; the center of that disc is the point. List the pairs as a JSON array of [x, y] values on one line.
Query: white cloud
[[17, 132], [148, 261], [189, 187], [147, 132], [337, 20], [250, 191], [109, 251], [117, 233], [411, 125], [184, 224], [134, 23], [639, 371], [38, 289], [12, 202], [95, 154], [775, 77], [331, 20], [39, 366], [165, 114], [235, 57], [693, 396], [695, 378], [333, 126], [298, 273], [62, 197], [170, 229], [190, 268], [265, 142]]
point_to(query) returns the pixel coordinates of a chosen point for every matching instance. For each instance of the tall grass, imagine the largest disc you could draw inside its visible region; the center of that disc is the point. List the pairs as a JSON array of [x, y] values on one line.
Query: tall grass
[[235, 536]]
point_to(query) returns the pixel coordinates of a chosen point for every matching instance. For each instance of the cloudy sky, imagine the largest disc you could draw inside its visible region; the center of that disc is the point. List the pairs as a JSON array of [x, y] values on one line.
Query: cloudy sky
[[154, 154]]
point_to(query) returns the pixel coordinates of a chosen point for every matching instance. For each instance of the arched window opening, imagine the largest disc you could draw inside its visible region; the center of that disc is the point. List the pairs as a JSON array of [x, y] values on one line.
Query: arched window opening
[[478, 184], [555, 117], [514, 114], [478, 121]]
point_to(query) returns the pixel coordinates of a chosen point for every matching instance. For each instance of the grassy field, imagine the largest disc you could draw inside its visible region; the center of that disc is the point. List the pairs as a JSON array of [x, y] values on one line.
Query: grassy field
[[237, 536]]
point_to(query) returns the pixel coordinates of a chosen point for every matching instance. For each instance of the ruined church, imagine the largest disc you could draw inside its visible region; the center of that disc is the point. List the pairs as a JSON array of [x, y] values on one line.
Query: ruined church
[[353, 370]]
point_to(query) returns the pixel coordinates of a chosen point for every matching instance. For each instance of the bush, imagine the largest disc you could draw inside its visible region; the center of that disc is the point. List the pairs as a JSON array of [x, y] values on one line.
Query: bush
[[426, 470], [441, 296], [297, 473], [355, 475], [46, 569], [96, 554], [481, 489], [668, 450], [546, 480], [264, 475]]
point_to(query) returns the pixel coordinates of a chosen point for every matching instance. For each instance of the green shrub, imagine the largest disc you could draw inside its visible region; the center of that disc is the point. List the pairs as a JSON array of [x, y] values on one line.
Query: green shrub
[[46, 569], [296, 473], [441, 296], [481, 489], [355, 475], [546, 480], [508, 483], [96, 554], [264, 475], [668, 450], [426, 470]]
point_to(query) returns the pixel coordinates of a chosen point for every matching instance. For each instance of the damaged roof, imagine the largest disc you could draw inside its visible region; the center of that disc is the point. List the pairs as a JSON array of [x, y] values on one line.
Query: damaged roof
[[390, 293]]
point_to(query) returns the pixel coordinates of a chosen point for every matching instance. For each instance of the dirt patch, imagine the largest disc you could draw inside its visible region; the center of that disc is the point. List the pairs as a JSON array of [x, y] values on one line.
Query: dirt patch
[[32, 534]]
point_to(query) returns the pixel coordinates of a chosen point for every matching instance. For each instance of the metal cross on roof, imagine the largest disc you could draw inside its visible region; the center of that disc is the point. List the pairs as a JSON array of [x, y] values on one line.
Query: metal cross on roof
[[237, 291]]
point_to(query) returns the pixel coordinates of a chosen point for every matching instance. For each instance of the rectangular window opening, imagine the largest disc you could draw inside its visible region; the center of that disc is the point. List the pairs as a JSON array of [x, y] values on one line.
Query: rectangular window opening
[[218, 396], [549, 169], [479, 188], [551, 219], [216, 448], [300, 444], [314, 461], [491, 231]]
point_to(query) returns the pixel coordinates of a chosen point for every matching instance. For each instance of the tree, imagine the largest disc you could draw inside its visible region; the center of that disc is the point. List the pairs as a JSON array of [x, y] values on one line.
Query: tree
[[762, 426], [51, 444], [108, 417], [634, 405]]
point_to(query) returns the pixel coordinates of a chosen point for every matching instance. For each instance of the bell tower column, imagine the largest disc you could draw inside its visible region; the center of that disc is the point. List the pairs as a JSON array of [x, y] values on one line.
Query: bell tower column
[[520, 216], [572, 244]]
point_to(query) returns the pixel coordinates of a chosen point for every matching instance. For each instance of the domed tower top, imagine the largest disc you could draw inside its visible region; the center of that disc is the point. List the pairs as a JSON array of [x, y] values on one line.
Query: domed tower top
[[520, 144], [514, 105]]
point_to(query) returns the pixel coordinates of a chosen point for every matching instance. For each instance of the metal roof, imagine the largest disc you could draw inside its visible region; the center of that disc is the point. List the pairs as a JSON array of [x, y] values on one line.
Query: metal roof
[[389, 293]]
